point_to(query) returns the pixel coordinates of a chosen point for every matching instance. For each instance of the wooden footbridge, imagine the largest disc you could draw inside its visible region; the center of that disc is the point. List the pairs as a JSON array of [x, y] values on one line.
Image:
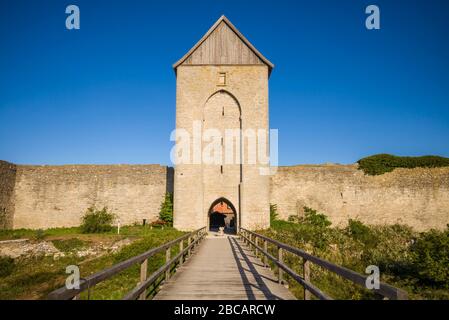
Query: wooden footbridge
[[223, 267]]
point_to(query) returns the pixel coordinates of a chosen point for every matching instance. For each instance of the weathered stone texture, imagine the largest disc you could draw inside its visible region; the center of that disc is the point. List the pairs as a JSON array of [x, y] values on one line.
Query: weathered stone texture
[[200, 98], [416, 197], [7, 182], [58, 196]]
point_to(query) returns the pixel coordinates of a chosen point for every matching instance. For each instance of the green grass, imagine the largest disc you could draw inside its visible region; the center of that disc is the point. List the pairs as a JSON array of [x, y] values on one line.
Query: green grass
[[415, 262], [37, 234], [136, 231], [7, 266], [34, 278]]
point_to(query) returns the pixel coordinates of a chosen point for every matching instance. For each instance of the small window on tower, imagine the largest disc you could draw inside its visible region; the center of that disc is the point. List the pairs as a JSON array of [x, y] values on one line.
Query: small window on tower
[[222, 78]]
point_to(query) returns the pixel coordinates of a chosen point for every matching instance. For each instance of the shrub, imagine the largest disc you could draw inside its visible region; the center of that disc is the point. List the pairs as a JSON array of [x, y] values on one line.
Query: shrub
[[273, 212], [7, 266], [315, 219], [358, 231], [97, 221], [382, 163], [166, 212], [39, 234], [431, 257], [312, 228]]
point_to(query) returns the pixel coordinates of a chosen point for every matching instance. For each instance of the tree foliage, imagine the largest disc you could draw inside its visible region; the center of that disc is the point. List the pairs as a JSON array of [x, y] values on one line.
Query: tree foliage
[[313, 228], [166, 211], [361, 232], [315, 219], [431, 257], [273, 212], [382, 163]]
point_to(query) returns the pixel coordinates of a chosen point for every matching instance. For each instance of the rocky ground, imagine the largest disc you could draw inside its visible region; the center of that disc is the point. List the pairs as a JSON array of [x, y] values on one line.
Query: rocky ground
[[27, 248]]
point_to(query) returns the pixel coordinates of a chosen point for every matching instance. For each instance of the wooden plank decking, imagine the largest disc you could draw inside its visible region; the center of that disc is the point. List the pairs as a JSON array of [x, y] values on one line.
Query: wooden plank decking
[[223, 268]]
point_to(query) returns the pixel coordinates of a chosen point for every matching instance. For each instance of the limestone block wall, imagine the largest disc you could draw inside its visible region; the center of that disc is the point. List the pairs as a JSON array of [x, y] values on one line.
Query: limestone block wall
[[416, 197], [194, 183], [7, 182], [58, 196]]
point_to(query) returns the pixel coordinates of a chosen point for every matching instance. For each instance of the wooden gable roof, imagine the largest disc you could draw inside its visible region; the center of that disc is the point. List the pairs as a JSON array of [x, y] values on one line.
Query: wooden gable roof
[[223, 44]]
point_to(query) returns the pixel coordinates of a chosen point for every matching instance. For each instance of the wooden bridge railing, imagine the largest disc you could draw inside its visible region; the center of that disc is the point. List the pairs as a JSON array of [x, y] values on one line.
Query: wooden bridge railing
[[252, 239], [139, 292]]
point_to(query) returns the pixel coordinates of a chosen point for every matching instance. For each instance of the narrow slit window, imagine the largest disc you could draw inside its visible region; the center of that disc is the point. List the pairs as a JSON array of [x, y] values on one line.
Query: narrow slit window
[[222, 78]]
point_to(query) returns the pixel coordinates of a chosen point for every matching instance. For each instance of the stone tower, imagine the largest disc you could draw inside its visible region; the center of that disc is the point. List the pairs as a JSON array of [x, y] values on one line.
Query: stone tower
[[221, 84]]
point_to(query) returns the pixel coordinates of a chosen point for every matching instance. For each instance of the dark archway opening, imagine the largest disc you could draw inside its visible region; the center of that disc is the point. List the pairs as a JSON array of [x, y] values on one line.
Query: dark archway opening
[[222, 213]]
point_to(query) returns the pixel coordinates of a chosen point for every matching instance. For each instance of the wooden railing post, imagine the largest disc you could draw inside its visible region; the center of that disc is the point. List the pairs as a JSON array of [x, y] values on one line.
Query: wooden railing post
[[306, 267], [256, 240], [250, 240], [167, 259], [265, 248], [181, 248], [143, 277], [189, 242], [281, 260]]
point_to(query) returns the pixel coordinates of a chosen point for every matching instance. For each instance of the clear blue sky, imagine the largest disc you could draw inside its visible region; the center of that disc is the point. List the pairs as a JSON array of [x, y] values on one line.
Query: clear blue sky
[[106, 93]]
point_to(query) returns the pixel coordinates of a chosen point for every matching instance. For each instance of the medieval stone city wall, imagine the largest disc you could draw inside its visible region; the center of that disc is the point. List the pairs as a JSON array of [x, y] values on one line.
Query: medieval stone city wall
[[416, 197], [7, 183], [58, 196]]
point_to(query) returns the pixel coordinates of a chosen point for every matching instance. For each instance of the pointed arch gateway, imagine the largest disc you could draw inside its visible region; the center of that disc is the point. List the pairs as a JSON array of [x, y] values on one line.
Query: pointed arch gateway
[[222, 177], [222, 213]]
